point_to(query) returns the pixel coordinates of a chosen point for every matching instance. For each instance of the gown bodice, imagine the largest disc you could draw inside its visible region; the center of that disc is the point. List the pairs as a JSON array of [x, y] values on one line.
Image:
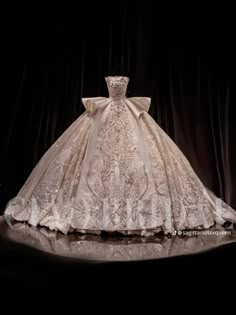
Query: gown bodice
[[117, 86]]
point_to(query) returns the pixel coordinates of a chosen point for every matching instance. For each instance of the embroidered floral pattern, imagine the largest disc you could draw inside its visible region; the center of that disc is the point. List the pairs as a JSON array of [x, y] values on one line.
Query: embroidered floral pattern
[[117, 171]]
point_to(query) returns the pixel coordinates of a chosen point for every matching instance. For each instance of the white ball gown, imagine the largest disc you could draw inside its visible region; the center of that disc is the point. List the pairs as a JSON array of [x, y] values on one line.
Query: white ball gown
[[114, 169]]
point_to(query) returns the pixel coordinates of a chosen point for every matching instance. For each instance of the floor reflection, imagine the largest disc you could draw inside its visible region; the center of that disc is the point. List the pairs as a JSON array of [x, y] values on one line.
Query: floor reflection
[[116, 248]]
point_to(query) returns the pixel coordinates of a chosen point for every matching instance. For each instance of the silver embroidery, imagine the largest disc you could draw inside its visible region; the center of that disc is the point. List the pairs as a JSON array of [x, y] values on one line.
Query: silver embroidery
[[117, 171]]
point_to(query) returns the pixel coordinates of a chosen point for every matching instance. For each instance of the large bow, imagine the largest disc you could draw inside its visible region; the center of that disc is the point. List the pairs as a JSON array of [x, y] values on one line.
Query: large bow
[[137, 105]]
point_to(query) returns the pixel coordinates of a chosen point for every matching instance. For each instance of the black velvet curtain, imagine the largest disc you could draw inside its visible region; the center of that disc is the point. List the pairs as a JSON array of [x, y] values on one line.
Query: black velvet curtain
[[183, 59]]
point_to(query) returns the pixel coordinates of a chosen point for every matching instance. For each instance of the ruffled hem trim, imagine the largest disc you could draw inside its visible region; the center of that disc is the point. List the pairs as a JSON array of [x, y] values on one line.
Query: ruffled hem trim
[[142, 232]]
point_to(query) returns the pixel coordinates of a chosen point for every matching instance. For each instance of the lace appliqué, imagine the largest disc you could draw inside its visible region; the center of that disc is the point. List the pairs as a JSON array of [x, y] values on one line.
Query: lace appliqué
[[186, 203], [117, 176]]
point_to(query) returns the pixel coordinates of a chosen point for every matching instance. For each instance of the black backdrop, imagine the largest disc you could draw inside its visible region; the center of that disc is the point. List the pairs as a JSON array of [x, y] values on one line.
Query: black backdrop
[[181, 58]]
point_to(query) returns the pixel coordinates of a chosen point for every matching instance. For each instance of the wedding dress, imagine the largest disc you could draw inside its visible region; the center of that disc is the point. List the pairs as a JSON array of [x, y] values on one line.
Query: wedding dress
[[115, 169]]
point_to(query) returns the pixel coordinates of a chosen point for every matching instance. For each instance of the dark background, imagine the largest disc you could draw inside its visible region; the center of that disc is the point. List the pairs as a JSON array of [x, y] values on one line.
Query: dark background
[[182, 58]]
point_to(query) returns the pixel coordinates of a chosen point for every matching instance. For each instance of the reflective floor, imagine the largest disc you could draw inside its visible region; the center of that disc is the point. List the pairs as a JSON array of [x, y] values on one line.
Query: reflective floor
[[38, 258], [117, 248]]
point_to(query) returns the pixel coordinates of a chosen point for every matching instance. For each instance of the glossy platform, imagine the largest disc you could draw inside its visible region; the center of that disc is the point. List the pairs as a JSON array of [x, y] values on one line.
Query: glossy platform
[[35, 256]]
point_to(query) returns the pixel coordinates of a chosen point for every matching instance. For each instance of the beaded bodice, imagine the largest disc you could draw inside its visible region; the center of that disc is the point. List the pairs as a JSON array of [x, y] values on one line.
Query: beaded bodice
[[117, 86]]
